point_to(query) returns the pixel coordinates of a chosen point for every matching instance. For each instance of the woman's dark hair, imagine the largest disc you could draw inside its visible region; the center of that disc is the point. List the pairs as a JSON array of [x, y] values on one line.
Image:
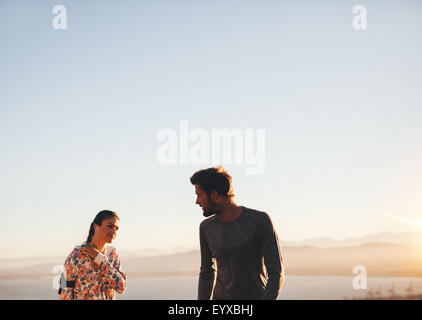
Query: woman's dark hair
[[98, 220], [214, 179]]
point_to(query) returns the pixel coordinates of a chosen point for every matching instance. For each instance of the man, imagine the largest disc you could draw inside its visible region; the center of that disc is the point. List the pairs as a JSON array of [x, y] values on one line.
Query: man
[[239, 241]]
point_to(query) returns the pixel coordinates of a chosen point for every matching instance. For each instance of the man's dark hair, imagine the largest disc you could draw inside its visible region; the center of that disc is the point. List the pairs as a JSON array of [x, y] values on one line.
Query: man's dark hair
[[214, 179]]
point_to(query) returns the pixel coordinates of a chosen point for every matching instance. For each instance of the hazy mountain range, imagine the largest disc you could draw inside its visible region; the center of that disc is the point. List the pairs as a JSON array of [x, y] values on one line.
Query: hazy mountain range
[[384, 254], [405, 238]]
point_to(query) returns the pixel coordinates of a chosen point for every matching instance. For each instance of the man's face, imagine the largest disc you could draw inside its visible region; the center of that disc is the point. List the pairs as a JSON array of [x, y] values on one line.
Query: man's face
[[209, 207]]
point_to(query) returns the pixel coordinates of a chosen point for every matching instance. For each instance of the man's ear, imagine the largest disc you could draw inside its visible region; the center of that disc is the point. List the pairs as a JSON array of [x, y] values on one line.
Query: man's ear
[[214, 195]]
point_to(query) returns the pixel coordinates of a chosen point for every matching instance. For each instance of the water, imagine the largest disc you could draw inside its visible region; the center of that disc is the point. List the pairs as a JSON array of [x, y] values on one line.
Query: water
[[185, 288]]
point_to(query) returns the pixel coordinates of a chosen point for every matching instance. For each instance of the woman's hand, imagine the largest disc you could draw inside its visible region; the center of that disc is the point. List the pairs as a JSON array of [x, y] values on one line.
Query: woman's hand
[[90, 251]]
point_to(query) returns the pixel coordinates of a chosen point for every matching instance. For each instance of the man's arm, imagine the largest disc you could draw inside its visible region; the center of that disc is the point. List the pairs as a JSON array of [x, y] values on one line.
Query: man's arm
[[207, 273], [273, 259]]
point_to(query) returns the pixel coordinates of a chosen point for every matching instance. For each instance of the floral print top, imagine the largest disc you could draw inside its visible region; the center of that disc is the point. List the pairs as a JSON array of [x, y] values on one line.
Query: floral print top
[[94, 279]]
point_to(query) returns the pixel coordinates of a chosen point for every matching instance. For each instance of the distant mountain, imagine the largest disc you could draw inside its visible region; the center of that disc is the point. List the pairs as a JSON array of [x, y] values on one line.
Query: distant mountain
[[19, 263], [404, 238], [150, 252], [393, 254], [379, 260]]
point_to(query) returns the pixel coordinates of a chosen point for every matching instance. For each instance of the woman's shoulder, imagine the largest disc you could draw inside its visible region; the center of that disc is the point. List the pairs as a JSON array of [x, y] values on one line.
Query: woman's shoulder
[[75, 254]]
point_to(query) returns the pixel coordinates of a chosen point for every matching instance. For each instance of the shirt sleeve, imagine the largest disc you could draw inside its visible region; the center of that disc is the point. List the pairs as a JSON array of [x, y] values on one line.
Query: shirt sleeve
[[207, 271], [112, 274], [273, 259], [70, 274]]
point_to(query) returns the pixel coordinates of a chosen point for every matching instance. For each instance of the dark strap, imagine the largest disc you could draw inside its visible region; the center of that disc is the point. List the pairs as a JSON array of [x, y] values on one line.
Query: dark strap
[[65, 284]]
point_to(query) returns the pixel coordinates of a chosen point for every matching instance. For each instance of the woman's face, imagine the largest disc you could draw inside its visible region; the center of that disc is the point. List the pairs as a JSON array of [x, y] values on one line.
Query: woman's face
[[107, 231]]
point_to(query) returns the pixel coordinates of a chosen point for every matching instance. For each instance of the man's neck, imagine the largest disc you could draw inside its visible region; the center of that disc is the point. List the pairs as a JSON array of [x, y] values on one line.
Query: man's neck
[[230, 212]]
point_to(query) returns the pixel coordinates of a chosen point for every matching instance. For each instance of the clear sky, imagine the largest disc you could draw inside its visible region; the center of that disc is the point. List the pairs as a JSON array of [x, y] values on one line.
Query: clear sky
[[81, 108]]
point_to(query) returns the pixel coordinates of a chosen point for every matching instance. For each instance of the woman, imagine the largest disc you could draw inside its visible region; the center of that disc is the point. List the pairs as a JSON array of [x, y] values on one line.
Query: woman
[[92, 270]]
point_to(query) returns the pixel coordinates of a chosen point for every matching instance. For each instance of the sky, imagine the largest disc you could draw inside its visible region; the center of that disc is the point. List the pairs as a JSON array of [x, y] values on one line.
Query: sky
[[81, 110]]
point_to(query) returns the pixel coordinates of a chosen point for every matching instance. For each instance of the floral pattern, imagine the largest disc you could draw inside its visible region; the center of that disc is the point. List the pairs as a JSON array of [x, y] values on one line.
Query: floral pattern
[[93, 281]]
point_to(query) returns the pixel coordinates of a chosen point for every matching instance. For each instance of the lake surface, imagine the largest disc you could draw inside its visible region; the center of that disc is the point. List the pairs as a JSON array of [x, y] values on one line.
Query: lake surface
[[185, 288]]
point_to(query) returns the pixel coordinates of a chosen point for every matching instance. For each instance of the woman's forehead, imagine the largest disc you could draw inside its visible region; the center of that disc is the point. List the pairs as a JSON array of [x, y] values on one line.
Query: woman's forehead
[[112, 220]]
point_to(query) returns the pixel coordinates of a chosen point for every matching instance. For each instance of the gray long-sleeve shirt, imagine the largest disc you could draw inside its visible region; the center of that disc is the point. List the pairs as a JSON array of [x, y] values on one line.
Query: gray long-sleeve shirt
[[247, 256]]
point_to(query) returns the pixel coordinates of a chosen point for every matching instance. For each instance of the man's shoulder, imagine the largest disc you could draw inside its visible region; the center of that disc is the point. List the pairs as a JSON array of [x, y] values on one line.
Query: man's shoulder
[[208, 221], [256, 214], [261, 219]]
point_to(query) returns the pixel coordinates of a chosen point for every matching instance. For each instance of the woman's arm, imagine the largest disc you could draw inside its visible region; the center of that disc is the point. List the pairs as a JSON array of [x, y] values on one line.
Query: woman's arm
[[70, 274], [111, 273]]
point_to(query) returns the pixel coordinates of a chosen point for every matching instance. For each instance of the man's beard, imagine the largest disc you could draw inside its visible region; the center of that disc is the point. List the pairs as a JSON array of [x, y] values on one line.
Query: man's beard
[[207, 213], [211, 209]]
